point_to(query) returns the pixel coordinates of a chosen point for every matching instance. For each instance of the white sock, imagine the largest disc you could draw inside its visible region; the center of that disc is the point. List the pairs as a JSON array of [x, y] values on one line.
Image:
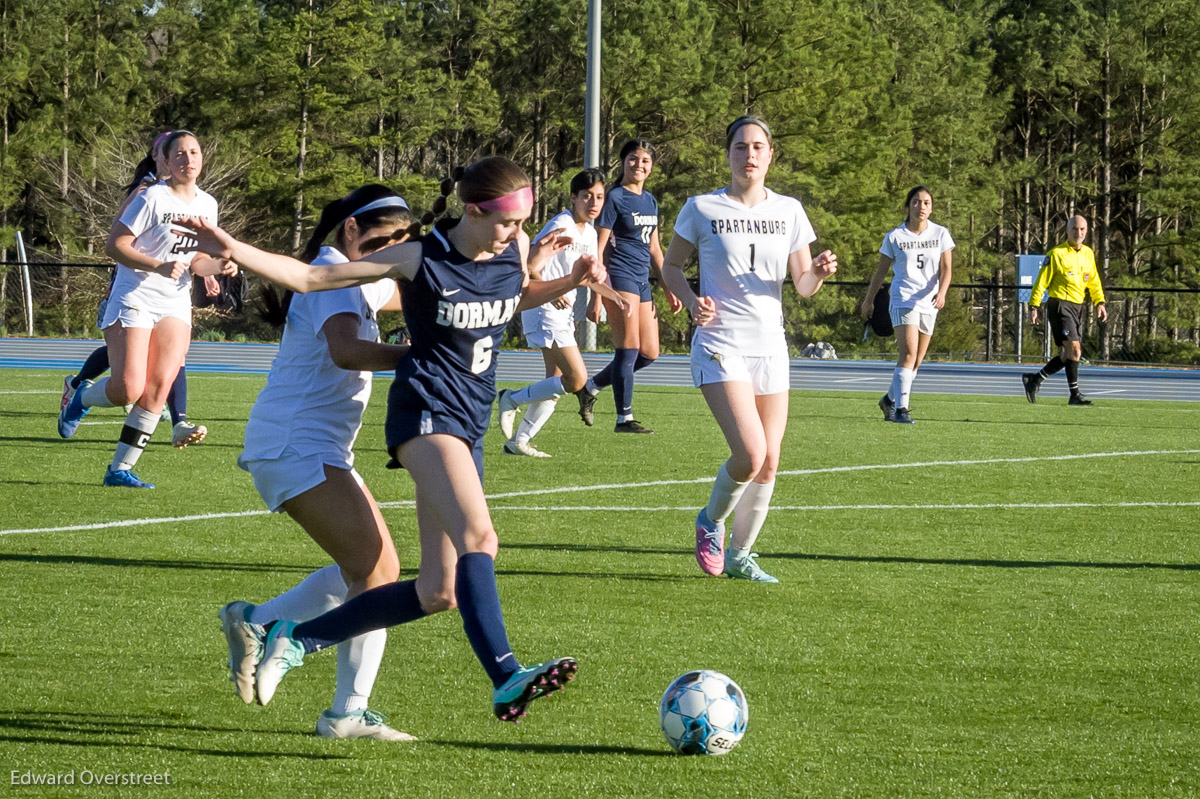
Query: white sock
[[725, 494], [624, 417], [318, 593], [139, 426], [535, 418], [591, 387], [550, 388], [358, 666], [906, 380], [749, 515], [94, 396]]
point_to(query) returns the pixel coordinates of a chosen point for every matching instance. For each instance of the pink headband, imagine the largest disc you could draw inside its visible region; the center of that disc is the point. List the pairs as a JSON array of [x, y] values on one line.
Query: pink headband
[[158, 140], [515, 201]]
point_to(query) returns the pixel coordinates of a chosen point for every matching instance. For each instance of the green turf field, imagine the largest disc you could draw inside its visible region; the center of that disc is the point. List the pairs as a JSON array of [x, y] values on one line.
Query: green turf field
[[939, 630]]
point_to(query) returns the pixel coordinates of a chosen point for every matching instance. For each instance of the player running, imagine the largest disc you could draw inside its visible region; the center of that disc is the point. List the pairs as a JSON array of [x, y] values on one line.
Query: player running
[[551, 327], [183, 432], [147, 323], [749, 240], [1068, 276], [919, 253], [461, 284], [299, 450], [627, 235]]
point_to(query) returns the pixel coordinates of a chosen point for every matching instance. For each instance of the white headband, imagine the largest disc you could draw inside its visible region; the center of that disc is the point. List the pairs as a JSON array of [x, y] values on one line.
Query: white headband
[[382, 202]]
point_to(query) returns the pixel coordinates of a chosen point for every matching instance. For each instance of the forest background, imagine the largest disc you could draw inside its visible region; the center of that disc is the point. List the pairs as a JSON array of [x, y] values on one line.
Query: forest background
[[1015, 114]]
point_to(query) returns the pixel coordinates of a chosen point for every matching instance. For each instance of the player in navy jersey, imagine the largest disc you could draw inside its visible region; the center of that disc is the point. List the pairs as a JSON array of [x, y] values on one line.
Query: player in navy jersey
[[919, 252], [551, 327], [749, 240], [627, 238], [461, 285]]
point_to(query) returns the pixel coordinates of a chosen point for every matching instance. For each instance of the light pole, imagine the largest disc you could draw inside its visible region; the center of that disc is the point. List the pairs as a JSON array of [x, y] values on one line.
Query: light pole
[[591, 135]]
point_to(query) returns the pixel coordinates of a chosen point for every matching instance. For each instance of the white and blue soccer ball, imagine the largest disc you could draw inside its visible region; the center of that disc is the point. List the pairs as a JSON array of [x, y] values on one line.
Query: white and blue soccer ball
[[703, 713]]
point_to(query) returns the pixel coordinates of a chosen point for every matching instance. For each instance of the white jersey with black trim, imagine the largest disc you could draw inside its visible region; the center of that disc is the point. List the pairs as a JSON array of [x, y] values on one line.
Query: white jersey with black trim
[[744, 253], [151, 218], [916, 261], [309, 403]]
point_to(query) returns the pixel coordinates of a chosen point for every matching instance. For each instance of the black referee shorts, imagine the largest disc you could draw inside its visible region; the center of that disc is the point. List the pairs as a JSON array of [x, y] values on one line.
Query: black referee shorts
[[1066, 320]]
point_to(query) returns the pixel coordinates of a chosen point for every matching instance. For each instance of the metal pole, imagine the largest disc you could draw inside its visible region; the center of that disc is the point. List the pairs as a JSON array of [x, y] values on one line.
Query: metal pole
[[591, 135], [991, 304], [26, 285], [1020, 306]]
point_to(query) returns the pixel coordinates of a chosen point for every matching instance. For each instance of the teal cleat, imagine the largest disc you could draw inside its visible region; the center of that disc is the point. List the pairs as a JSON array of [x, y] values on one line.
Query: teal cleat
[[511, 700], [281, 654], [124, 478], [745, 568], [73, 412]]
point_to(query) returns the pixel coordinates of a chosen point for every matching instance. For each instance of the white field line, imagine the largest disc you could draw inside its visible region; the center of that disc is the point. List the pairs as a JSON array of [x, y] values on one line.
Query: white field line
[[706, 479], [35, 391]]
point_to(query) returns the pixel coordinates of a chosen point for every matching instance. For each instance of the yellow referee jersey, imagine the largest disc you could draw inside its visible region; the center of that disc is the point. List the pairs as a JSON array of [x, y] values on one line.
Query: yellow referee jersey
[[1067, 274]]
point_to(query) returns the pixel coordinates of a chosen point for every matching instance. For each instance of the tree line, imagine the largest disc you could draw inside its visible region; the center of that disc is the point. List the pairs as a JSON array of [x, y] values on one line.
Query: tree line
[[1015, 114]]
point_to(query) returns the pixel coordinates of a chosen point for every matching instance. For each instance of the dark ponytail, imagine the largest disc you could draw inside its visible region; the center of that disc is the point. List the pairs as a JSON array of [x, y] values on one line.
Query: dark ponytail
[[144, 169], [274, 308]]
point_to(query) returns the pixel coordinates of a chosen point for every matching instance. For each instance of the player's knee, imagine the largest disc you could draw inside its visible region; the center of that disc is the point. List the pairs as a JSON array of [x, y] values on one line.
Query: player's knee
[[125, 392], [745, 465], [572, 383], [769, 468]]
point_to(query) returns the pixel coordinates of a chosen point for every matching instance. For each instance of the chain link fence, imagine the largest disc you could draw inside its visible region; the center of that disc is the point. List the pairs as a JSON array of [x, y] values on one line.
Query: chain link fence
[[981, 322]]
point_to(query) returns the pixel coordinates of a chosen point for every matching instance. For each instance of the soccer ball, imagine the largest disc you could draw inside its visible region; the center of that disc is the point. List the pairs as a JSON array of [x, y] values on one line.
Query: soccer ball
[[703, 713]]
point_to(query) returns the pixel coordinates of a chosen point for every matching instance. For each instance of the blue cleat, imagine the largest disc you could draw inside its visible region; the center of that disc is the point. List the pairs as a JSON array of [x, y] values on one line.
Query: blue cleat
[[72, 412], [510, 701], [281, 654], [124, 479]]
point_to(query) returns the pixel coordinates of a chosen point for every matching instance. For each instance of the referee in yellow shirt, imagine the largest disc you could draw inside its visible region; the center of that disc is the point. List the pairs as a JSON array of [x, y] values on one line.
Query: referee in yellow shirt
[[1070, 271]]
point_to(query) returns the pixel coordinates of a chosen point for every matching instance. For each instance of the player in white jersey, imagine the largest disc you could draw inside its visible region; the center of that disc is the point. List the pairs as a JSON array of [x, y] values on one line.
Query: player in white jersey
[[750, 240], [147, 323], [919, 253], [551, 327], [298, 449]]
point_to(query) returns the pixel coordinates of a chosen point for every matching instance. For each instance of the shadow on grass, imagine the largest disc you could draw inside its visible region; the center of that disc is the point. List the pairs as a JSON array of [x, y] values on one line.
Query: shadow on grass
[[995, 563], [555, 749], [92, 729], [201, 565], [990, 562]]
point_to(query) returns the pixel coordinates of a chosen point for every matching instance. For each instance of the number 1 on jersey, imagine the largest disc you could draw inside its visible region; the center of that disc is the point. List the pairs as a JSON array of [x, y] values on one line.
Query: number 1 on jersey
[[751, 257]]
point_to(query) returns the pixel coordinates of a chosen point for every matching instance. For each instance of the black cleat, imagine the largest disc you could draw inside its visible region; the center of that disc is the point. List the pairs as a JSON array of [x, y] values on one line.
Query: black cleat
[[631, 427], [1078, 399], [1032, 383], [586, 403], [902, 417], [888, 407]]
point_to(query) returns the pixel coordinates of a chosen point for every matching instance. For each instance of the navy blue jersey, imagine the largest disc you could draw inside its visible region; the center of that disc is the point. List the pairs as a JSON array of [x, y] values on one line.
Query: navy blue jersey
[[632, 219], [456, 311]]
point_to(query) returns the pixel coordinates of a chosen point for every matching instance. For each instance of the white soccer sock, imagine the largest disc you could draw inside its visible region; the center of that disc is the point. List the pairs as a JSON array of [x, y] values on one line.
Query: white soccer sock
[[906, 380], [358, 666], [749, 515], [550, 388], [95, 396], [591, 387], [725, 494], [139, 426], [318, 593], [535, 418]]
